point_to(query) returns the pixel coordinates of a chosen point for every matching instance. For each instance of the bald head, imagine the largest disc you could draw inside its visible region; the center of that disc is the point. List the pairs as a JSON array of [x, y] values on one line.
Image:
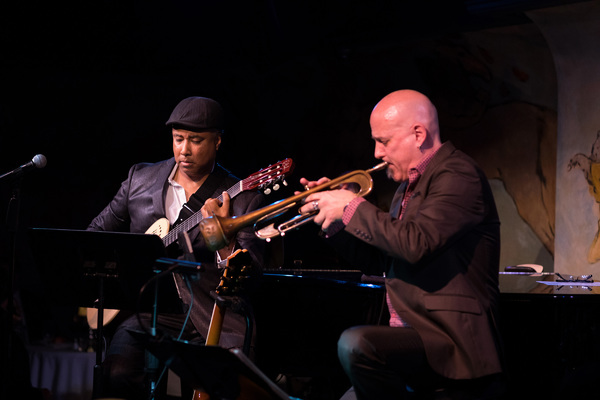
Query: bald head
[[404, 125], [407, 107]]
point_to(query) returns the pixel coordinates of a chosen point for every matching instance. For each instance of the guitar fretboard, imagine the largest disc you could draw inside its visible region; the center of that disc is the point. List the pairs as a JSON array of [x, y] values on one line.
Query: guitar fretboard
[[196, 217]]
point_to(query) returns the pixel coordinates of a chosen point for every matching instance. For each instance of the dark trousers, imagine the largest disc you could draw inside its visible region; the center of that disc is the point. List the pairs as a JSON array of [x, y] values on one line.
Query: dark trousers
[[390, 363], [125, 373]]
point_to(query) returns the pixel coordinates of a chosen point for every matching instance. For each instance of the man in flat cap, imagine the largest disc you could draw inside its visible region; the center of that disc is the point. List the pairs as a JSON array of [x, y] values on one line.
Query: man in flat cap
[[175, 188]]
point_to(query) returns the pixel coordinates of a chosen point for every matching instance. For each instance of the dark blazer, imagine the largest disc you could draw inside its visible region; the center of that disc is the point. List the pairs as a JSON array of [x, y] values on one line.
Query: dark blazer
[[141, 201], [441, 262]]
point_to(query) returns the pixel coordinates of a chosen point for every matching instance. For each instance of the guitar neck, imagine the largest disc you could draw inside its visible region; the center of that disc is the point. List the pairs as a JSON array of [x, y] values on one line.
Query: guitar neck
[[196, 217]]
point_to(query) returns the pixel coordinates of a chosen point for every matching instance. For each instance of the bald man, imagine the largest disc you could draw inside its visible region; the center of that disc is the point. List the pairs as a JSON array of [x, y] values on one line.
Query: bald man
[[438, 249]]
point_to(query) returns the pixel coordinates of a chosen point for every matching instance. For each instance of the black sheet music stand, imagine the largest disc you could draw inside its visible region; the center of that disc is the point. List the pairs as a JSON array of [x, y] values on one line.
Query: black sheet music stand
[[103, 270], [221, 373]]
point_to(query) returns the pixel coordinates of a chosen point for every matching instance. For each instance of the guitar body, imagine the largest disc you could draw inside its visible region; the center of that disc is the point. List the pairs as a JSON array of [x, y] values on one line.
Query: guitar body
[[92, 317], [234, 272], [159, 228], [212, 339]]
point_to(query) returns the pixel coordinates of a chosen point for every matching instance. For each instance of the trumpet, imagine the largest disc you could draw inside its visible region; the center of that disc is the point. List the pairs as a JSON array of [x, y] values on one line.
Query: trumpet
[[216, 230]]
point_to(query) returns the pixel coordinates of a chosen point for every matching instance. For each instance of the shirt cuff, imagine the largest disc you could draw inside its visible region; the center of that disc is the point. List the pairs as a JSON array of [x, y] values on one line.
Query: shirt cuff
[[350, 209]]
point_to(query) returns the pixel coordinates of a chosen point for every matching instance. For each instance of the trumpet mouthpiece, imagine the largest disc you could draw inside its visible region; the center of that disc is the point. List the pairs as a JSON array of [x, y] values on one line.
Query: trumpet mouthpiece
[[378, 167]]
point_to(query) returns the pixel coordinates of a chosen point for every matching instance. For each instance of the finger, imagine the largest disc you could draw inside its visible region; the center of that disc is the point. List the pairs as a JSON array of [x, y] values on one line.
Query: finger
[[226, 200], [319, 219], [305, 209], [307, 184], [210, 207], [204, 211], [322, 181], [309, 204], [311, 184], [211, 204], [315, 205]]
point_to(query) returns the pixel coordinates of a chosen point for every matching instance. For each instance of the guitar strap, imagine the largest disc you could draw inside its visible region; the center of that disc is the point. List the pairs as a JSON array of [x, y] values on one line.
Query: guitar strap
[[203, 193]]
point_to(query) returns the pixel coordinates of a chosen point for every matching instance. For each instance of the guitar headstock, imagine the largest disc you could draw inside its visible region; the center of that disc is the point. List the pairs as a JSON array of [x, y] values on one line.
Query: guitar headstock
[[236, 269], [269, 176]]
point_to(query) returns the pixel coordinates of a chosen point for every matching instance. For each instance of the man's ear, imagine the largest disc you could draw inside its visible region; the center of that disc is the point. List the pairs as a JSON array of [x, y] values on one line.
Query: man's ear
[[420, 134]]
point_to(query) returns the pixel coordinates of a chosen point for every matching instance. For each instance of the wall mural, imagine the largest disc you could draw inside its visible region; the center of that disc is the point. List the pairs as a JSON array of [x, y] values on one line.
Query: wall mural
[[589, 165], [496, 94], [567, 30]]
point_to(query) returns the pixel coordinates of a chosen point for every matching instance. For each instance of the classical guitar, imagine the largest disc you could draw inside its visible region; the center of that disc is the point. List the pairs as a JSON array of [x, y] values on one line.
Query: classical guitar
[[236, 269], [263, 180]]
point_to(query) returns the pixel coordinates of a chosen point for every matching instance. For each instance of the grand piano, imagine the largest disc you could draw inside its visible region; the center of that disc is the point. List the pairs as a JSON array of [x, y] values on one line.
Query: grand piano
[[550, 330]]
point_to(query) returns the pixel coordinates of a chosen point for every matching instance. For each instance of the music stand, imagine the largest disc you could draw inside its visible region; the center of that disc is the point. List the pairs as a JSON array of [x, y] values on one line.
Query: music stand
[[98, 269], [221, 373]]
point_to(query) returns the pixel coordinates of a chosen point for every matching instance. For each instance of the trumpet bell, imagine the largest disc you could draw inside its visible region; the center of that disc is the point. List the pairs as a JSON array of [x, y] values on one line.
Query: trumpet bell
[[213, 232]]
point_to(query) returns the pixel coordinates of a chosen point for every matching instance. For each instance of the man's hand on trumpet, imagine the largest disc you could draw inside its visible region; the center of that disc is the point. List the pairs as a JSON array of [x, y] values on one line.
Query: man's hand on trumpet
[[329, 204]]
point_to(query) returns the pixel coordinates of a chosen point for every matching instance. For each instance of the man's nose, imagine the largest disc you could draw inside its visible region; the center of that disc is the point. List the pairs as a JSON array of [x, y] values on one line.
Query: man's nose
[[379, 153], [185, 147]]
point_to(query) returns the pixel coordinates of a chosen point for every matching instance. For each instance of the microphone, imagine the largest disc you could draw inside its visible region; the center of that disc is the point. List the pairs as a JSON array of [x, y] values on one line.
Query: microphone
[[38, 161]]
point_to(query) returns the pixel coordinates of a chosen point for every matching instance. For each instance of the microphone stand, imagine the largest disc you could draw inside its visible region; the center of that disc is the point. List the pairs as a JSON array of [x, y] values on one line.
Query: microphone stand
[[12, 224]]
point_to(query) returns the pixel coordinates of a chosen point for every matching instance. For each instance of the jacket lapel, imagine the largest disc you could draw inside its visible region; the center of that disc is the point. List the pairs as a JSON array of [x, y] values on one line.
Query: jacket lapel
[[397, 200], [160, 186]]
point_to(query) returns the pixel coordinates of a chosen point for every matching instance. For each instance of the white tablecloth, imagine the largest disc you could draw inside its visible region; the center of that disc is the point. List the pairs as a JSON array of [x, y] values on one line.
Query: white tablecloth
[[67, 373]]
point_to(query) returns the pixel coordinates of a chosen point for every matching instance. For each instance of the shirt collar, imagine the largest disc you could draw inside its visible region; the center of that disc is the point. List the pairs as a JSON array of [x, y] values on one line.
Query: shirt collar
[[415, 173], [172, 175]]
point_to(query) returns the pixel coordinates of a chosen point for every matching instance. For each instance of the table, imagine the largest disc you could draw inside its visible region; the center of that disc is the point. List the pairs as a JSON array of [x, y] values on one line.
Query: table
[[67, 373]]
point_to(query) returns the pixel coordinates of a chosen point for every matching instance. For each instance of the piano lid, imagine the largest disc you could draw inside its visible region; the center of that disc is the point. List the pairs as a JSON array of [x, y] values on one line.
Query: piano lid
[[510, 283], [349, 278]]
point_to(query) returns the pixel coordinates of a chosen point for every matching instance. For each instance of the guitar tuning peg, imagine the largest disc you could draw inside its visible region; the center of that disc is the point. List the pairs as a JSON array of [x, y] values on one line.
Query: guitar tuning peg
[[276, 186], [267, 191]]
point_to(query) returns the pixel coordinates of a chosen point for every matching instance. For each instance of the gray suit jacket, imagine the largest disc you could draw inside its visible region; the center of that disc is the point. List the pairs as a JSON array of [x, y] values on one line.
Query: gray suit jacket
[[140, 201], [441, 263]]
